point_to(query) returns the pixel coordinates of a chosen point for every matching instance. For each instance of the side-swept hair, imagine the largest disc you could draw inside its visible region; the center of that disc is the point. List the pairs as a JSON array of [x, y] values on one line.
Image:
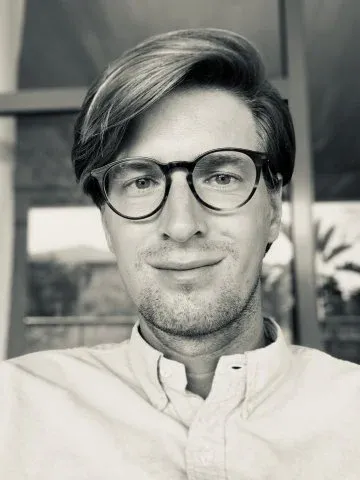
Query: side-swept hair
[[148, 72]]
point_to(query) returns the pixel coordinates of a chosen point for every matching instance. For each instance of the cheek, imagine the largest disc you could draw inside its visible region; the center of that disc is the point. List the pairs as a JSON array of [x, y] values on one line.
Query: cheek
[[125, 249], [248, 232], [126, 252], [124, 242]]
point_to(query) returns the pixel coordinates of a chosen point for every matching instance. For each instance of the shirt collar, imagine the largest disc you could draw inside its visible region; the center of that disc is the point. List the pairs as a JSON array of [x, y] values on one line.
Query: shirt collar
[[264, 367]]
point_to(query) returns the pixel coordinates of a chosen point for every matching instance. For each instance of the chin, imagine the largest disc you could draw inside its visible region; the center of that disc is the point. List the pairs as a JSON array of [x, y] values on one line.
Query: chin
[[184, 329], [190, 318], [195, 312]]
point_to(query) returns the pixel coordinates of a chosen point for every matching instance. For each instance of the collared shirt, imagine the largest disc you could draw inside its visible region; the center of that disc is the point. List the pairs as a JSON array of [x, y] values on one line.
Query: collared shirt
[[123, 412]]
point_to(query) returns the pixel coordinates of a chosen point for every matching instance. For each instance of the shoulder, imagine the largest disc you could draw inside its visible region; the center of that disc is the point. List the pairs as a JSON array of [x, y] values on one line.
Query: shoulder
[[59, 366], [323, 371], [321, 359]]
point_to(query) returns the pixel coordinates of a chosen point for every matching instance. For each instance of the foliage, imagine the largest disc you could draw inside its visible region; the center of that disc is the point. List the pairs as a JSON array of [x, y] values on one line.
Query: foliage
[[329, 245], [353, 304], [105, 294], [53, 288], [58, 289]]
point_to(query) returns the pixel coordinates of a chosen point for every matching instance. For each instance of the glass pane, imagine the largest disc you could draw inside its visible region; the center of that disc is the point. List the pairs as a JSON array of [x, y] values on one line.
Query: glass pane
[[337, 265], [44, 167], [72, 277], [335, 117], [82, 37]]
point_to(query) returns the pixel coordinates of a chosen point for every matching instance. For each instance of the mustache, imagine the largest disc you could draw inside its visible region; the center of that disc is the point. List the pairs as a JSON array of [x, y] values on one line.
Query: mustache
[[167, 249]]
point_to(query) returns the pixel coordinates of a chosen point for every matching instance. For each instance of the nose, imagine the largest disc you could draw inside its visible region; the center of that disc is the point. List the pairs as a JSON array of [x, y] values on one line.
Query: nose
[[182, 216]]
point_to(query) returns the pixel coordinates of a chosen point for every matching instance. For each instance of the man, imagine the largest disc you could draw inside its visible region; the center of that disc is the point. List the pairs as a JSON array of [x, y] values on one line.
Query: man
[[184, 146]]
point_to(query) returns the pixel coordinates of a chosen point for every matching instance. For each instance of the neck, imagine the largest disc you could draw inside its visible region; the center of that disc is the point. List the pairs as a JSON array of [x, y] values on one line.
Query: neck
[[200, 355]]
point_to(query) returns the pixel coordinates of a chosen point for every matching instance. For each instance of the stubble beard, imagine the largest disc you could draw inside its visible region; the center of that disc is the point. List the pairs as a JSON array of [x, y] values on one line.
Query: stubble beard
[[190, 313]]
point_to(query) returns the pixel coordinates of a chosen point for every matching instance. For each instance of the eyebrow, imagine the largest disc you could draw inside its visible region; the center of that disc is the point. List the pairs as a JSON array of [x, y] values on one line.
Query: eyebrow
[[217, 156], [138, 163], [231, 157]]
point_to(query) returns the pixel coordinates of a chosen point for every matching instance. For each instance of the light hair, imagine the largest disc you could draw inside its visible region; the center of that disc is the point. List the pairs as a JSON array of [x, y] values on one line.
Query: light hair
[[151, 70]]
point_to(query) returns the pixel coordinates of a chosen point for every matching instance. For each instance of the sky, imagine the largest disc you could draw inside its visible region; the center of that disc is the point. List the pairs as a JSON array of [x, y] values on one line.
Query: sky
[[57, 228]]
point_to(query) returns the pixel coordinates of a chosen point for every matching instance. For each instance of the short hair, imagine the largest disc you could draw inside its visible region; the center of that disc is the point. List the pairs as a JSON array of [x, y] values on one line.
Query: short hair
[[145, 74]]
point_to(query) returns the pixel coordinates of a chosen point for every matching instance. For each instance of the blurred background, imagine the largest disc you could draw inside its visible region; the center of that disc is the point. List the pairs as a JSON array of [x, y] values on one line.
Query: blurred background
[[59, 285]]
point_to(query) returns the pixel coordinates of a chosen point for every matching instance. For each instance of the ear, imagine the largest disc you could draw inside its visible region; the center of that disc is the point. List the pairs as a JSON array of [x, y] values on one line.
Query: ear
[[276, 210], [106, 231]]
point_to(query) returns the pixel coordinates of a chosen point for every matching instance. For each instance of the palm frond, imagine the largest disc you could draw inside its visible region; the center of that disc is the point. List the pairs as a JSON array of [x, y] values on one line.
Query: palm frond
[[323, 240], [349, 267], [336, 251]]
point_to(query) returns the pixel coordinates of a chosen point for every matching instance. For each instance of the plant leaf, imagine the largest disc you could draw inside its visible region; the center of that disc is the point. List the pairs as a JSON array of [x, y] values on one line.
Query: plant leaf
[[337, 250]]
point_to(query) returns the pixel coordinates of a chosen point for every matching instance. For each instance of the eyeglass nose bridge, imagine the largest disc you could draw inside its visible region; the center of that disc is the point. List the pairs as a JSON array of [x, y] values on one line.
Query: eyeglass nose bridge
[[168, 168]]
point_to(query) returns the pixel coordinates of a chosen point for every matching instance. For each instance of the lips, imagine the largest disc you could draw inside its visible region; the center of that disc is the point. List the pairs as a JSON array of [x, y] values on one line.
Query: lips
[[188, 264]]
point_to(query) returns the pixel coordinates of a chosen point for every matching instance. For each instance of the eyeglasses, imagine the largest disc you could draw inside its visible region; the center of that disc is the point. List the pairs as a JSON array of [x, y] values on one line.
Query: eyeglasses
[[223, 179]]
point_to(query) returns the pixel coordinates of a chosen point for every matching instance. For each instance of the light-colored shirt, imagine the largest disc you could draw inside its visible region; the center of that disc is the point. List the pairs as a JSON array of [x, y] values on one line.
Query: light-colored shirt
[[123, 412]]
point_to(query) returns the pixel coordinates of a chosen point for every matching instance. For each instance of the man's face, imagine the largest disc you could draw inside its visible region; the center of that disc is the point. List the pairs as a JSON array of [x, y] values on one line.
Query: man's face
[[191, 270]]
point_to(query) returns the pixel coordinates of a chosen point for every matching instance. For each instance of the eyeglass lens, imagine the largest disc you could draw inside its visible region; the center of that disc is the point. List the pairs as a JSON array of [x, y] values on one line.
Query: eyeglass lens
[[225, 180]]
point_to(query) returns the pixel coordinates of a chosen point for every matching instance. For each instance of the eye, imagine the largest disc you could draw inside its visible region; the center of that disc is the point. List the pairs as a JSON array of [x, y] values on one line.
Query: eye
[[143, 183], [222, 179], [140, 183]]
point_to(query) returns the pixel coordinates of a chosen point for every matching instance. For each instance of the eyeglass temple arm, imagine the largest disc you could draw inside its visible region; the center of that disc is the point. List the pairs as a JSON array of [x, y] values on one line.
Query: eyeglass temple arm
[[274, 177]]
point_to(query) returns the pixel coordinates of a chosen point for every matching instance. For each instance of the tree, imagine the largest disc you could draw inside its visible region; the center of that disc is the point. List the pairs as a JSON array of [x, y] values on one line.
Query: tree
[[52, 289], [353, 304]]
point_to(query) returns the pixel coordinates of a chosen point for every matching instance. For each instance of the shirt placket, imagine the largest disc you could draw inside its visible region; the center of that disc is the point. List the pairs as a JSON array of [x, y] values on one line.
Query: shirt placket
[[182, 405], [205, 450]]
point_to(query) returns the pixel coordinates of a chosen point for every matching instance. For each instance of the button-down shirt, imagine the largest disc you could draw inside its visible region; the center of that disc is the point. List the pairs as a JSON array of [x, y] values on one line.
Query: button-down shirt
[[123, 412]]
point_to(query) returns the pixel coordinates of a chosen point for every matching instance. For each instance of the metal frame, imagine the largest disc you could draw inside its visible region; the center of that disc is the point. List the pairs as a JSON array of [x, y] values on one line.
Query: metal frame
[[307, 329], [293, 86], [44, 100], [17, 328]]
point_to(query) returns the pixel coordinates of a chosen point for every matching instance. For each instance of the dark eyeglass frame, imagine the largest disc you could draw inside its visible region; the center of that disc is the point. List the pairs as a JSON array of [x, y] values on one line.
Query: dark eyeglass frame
[[260, 160]]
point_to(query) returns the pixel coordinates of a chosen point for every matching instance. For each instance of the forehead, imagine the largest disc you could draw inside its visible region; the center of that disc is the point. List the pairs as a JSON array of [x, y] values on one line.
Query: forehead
[[188, 122]]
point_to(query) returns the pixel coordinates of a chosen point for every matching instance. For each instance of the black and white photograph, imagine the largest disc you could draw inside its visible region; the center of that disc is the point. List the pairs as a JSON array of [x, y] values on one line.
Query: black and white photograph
[[179, 240]]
